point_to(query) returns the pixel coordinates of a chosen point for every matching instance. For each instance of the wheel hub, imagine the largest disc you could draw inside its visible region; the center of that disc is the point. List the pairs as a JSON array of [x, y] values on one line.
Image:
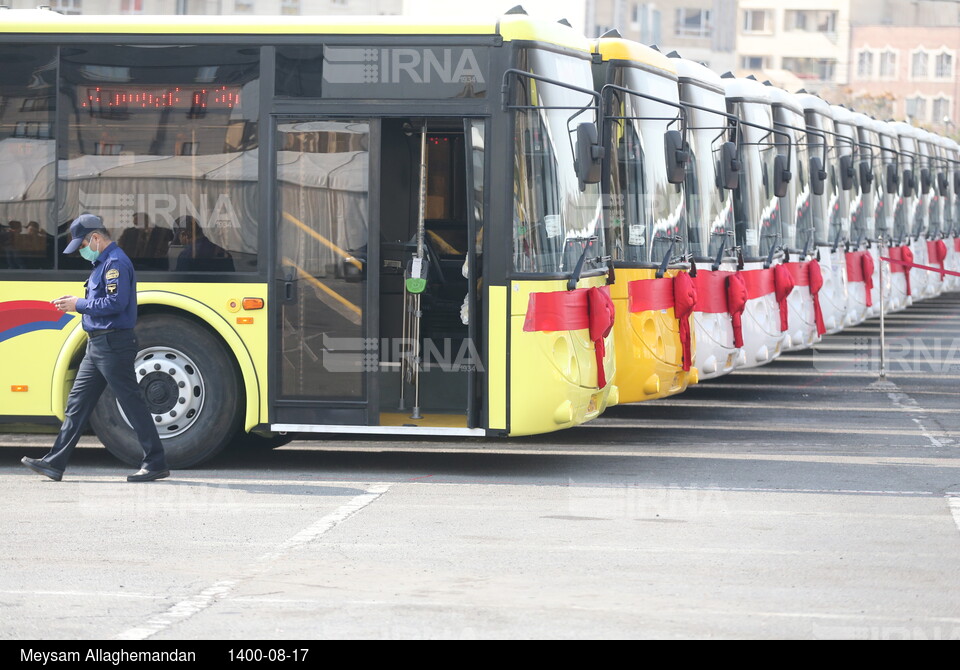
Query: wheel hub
[[172, 388]]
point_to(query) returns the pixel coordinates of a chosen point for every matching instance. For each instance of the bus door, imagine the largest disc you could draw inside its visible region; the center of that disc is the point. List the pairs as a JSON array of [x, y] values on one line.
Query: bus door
[[358, 342]]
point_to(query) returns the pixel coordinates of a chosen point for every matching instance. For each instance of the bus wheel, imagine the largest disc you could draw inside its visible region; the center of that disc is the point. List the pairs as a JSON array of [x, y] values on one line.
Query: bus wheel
[[191, 388]]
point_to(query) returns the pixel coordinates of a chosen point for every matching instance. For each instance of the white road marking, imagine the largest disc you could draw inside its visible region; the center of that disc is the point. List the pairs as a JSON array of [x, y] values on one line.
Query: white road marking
[[780, 429], [954, 502], [187, 608], [793, 407], [902, 400]]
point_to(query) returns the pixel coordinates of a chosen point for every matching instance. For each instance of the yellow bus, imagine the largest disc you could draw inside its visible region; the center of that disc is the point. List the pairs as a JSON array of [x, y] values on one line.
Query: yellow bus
[[340, 224], [646, 219]]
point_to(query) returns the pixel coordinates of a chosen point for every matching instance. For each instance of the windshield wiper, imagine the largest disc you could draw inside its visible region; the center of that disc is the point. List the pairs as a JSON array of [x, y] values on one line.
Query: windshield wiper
[[578, 268], [668, 256]]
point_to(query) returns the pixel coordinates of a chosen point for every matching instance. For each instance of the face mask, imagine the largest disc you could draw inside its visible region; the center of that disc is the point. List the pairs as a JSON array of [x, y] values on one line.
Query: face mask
[[88, 253]]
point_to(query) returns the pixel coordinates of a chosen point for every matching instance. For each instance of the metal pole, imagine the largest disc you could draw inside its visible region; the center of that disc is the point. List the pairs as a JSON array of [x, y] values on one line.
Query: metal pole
[[883, 310], [421, 232]]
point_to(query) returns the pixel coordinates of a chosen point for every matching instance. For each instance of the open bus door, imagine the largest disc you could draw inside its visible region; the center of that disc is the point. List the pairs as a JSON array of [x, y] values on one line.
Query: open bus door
[[377, 318]]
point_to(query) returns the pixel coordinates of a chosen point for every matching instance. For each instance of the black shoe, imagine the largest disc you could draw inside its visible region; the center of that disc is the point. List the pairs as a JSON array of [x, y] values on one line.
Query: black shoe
[[148, 475], [42, 468]]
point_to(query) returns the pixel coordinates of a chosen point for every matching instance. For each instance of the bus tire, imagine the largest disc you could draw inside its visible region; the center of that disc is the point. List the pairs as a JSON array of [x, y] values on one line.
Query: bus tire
[[192, 388]]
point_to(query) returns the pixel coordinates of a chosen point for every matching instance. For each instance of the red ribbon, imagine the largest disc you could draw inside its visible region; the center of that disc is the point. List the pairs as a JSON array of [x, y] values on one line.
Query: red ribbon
[[800, 272], [737, 297], [937, 253], [602, 315], [860, 269], [900, 260], [685, 302], [816, 283], [679, 293], [907, 254], [866, 261], [783, 283], [583, 308], [894, 262], [712, 291]]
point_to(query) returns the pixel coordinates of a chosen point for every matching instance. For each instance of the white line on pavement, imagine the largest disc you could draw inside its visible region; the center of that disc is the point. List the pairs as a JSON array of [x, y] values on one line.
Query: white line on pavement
[[954, 503], [188, 607]]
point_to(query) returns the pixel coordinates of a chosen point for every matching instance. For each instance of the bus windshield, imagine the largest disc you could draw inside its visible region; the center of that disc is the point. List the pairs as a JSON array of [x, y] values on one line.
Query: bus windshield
[[758, 210], [797, 220], [710, 207], [826, 210], [647, 211], [851, 200], [553, 218], [873, 206]]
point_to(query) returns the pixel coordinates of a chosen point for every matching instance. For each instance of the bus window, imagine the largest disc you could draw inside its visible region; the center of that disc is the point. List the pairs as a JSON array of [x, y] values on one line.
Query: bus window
[[553, 216], [27, 96], [162, 145]]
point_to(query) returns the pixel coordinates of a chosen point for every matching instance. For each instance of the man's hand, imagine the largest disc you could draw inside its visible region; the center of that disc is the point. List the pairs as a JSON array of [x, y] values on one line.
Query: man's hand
[[66, 303]]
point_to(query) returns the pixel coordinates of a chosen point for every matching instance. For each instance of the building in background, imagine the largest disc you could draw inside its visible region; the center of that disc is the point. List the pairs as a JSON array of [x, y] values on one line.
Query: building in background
[[265, 7], [888, 58], [701, 30], [805, 39], [903, 62]]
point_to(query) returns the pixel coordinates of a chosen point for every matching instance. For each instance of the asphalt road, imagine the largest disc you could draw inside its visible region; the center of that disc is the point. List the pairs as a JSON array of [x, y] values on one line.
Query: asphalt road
[[805, 499]]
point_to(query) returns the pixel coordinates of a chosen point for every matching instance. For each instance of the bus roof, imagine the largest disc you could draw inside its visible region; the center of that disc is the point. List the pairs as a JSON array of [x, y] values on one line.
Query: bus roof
[[615, 48], [509, 27]]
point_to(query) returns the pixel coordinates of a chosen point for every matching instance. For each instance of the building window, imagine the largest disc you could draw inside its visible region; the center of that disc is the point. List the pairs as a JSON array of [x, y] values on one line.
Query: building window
[[823, 69], [888, 64], [941, 109], [810, 21], [916, 108], [918, 64], [758, 21], [865, 64], [943, 66], [645, 19], [67, 6], [753, 62], [692, 23]]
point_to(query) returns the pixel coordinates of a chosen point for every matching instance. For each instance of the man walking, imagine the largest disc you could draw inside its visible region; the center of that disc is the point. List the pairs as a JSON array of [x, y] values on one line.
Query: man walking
[[109, 312]]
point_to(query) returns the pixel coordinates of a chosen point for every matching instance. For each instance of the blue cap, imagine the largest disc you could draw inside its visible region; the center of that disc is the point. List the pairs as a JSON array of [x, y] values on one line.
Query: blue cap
[[82, 226]]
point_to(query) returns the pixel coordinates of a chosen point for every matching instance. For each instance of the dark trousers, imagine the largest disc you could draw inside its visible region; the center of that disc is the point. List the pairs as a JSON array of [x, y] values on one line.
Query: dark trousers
[[108, 361]]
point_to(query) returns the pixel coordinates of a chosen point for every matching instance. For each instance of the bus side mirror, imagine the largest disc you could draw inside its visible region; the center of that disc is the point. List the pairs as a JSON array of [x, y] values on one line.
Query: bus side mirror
[[908, 183], [589, 158], [676, 155], [956, 183], [925, 180], [781, 175], [866, 174], [893, 178], [942, 183], [846, 172], [818, 176], [729, 173]]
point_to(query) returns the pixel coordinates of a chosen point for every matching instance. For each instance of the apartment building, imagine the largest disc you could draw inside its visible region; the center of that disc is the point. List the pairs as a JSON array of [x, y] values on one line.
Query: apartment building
[[913, 68]]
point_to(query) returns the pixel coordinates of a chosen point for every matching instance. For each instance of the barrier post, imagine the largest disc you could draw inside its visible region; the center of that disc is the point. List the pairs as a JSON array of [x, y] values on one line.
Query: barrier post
[[883, 310]]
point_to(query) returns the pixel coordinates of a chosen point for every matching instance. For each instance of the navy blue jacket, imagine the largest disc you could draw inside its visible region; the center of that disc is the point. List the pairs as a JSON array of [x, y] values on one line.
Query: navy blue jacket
[[111, 292]]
